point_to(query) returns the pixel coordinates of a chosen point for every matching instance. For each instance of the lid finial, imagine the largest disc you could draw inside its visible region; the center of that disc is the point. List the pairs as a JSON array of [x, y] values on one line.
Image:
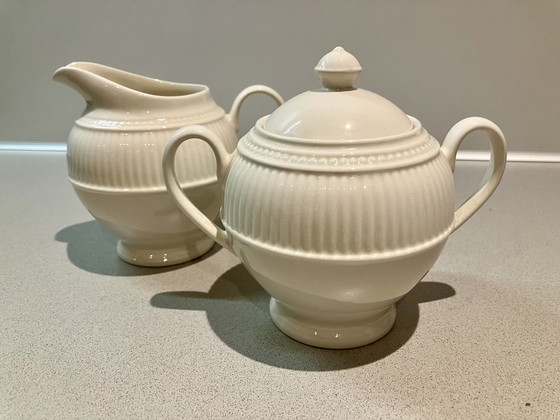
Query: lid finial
[[338, 70]]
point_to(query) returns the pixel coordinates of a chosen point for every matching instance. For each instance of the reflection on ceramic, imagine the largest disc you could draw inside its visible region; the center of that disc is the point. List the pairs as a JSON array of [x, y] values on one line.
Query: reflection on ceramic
[[115, 151], [338, 203]]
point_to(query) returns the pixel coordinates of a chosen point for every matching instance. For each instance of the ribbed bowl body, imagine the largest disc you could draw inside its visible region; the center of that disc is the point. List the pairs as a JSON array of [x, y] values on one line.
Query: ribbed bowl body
[[353, 222]]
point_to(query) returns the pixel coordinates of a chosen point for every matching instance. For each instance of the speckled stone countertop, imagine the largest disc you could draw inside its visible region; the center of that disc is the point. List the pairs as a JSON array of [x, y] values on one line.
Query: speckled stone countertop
[[85, 335]]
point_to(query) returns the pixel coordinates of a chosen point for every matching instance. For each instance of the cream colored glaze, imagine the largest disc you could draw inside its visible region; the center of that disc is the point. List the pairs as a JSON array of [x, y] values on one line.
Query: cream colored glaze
[[114, 158], [337, 227]]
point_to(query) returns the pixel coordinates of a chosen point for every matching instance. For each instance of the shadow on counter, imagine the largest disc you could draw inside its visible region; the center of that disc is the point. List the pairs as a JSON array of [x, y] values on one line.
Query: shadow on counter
[[237, 310], [92, 247]]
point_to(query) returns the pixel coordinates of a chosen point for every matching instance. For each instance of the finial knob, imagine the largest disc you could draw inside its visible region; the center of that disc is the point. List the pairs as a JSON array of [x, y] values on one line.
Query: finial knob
[[338, 70]]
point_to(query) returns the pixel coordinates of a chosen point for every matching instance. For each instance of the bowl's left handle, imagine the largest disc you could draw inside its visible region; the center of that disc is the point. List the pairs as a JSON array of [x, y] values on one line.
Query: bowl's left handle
[[223, 160], [494, 172]]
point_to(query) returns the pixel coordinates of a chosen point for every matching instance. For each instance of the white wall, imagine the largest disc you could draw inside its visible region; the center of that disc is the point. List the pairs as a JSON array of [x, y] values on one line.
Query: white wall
[[439, 60]]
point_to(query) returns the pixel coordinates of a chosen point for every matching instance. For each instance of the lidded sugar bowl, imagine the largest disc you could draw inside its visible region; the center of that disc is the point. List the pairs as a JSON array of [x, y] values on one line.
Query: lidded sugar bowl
[[338, 203]]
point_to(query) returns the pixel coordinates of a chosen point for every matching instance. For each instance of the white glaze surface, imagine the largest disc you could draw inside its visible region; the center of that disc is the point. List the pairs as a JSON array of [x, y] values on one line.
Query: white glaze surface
[[337, 224], [338, 115], [351, 201], [114, 158], [338, 111]]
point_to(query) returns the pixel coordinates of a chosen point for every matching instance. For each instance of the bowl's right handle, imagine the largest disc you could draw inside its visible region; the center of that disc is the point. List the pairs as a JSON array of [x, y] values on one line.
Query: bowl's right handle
[[223, 160], [495, 169]]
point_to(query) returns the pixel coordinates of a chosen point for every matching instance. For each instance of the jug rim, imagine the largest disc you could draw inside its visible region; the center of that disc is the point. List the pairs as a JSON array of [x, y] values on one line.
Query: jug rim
[[136, 83]]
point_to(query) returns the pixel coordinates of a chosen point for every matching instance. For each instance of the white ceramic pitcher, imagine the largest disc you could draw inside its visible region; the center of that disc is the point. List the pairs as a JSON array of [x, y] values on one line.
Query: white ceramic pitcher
[[338, 203], [114, 158]]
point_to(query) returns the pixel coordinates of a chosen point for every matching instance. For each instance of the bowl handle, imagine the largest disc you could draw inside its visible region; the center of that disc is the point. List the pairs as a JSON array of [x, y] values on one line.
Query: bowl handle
[[495, 169], [223, 160]]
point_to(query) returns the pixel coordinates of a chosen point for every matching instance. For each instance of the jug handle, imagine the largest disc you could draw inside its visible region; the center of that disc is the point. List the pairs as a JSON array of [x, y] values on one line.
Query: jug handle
[[223, 160], [233, 116], [495, 169]]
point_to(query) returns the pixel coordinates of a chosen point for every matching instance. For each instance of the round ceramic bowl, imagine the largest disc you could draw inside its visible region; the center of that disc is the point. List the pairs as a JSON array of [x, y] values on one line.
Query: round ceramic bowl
[[338, 203]]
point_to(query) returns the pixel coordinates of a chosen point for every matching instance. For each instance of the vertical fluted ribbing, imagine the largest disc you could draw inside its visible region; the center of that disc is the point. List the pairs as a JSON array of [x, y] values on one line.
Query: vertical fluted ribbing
[[381, 222], [115, 159], [368, 218], [357, 207], [340, 213], [308, 229], [419, 206]]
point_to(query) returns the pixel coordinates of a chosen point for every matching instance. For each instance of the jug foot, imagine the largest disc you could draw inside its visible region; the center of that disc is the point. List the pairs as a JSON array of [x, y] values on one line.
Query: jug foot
[[145, 256], [352, 331]]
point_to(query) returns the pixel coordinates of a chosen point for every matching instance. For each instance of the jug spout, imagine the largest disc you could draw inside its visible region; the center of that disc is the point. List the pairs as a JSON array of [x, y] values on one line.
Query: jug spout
[[110, 88], [94, 88], [83, 81]]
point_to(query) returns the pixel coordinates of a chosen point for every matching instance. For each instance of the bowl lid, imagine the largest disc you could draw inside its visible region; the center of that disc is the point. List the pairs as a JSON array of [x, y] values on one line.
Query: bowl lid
[[338, 110]]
